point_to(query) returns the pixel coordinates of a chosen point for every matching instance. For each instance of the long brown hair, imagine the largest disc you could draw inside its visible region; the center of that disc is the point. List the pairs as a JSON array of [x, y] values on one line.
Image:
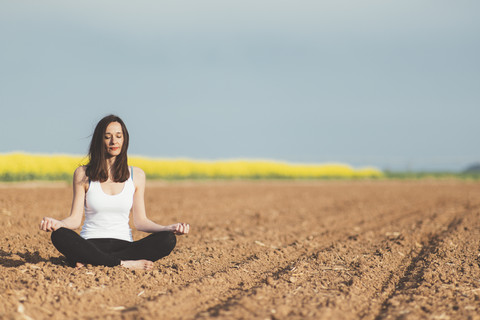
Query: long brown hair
[[97, 169]]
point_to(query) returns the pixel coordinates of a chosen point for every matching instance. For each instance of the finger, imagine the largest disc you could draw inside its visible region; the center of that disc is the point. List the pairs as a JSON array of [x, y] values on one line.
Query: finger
[[182, 229], [46, 223], [176, 229]]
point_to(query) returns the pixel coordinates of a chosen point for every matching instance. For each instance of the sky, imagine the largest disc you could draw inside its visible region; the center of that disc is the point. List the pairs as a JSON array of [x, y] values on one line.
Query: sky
[[390, 84]]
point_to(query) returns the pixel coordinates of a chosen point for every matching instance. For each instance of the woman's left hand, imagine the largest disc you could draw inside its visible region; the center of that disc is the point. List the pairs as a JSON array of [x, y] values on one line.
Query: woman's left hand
[[180, 228]]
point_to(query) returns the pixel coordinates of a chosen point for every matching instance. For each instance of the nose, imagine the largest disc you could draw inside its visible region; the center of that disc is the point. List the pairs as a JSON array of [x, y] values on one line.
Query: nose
[[112, 141]]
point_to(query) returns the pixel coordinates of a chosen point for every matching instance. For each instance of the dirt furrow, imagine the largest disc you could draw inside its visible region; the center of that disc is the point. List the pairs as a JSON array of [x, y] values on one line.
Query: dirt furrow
[[342, 278], [267, 281], [443, 282], [398, 260], [413, 275]]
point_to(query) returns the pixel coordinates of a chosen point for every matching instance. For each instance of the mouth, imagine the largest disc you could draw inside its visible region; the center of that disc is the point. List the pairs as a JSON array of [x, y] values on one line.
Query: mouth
[[114, 148]]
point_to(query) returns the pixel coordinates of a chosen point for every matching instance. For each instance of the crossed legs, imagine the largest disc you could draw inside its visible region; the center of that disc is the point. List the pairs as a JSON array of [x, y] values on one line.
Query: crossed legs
[[113, 252]]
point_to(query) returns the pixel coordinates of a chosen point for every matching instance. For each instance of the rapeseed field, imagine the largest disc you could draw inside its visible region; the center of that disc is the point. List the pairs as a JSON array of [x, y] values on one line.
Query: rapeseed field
[[23, 166]]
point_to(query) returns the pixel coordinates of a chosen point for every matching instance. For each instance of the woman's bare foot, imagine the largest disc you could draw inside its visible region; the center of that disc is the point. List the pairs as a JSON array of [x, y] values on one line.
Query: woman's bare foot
[[79, 265], [137, 264]]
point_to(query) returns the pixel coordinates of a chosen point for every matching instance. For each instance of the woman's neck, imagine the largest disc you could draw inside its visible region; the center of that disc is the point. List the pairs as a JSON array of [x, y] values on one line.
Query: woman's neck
[[110, 162]]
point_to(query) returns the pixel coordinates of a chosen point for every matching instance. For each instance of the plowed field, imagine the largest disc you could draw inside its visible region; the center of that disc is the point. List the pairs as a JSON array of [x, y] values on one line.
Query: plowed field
[[261, 250]]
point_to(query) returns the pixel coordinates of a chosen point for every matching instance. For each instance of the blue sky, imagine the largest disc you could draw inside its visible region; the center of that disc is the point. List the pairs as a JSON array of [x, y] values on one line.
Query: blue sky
[[393, 84]]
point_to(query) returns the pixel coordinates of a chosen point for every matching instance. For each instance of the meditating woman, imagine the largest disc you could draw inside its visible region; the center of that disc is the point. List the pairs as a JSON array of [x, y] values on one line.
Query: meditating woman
[[107, 189]]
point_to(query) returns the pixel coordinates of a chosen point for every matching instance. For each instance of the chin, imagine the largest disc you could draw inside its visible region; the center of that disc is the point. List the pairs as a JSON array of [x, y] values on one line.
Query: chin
[[114, 154]]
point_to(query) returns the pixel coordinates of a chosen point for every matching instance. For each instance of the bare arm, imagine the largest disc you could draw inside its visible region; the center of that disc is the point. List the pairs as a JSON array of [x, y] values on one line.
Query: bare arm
[[140, 220], [75, 219]]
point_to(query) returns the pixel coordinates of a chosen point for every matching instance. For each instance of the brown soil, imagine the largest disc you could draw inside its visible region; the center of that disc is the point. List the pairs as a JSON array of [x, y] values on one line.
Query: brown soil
[[261, 250]]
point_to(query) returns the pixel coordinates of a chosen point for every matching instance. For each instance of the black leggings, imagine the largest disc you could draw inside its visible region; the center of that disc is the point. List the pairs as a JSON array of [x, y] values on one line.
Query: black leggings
[[109, 252]]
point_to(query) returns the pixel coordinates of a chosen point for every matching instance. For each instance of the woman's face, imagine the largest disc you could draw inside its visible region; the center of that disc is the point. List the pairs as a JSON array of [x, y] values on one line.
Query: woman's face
[[113, 139]]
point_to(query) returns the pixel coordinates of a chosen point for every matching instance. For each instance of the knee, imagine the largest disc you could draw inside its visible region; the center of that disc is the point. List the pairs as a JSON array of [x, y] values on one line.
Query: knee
[[167, 240], [58, 235]]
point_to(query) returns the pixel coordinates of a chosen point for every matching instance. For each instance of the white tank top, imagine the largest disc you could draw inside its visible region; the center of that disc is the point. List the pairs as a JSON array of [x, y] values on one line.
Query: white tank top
[[106, 216]]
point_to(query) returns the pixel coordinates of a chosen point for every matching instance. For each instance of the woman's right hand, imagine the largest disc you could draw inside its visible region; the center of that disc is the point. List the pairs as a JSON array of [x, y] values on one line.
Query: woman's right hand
[[50, 224], [180, 228]]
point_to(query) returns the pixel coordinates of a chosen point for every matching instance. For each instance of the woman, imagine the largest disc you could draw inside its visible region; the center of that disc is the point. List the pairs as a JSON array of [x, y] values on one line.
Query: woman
[[107, 188]]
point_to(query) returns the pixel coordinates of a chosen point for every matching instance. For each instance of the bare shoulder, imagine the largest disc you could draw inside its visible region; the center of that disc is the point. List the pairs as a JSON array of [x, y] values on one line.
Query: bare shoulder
[[138, 176], [80, 177], [80, 174]]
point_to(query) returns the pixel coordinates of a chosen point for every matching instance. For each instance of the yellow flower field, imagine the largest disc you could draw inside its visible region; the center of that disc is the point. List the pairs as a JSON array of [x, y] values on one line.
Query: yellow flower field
[[22, 166]]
